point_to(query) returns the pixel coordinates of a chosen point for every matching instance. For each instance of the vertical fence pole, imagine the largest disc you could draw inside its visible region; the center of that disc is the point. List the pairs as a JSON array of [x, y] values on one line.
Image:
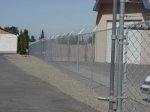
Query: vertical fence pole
[[92, 63], [112, 67], [116, 67], [45, 48], [68, 48], [41, 48], [78, 53], [49, 51], [125, 69], [68, 44], [57, 50], [92, 58], [79, 34], [62, 47], [51, 48], [120, 57]]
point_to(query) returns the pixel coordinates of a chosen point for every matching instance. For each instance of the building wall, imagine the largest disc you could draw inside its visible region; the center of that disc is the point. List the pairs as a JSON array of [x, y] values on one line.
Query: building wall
[[8, 42], [105, 15]]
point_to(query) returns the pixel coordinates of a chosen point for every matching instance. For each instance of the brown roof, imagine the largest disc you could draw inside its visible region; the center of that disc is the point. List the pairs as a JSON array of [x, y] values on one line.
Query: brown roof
[[3, 31], [100, 3]]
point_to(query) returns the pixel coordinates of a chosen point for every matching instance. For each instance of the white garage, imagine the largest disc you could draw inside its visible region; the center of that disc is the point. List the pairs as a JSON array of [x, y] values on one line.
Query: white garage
[[8, 42]]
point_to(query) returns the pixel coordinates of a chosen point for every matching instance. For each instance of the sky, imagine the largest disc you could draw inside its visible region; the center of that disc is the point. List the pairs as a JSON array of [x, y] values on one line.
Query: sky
[[53, 16]]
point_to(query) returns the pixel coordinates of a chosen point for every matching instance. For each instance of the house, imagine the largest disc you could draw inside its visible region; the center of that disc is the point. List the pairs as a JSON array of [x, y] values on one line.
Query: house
[[135, 12], [8, 42]]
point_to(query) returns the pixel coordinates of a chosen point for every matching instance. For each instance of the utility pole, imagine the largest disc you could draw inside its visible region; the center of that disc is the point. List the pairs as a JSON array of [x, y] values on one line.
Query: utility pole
[[112, 98], [120, 58]]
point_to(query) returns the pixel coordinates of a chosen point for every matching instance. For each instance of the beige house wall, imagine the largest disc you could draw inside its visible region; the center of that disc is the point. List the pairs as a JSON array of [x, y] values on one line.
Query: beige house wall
[[133, 13]]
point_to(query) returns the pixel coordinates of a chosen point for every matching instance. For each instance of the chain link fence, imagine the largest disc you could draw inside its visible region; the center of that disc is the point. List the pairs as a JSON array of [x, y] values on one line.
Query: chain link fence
[[76, 54], [87, 58], [137, 68]]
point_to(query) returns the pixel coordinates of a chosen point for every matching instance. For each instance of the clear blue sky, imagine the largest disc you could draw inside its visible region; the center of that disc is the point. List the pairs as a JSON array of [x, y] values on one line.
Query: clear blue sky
[[54, 16]]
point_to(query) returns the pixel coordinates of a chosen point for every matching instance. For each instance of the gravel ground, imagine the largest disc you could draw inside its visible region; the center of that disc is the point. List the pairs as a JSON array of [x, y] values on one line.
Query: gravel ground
[[59, 79]]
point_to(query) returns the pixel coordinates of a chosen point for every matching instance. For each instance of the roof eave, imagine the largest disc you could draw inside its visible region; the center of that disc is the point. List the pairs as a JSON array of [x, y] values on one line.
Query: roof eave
[[8, 31], [145, 2], [95, 8]]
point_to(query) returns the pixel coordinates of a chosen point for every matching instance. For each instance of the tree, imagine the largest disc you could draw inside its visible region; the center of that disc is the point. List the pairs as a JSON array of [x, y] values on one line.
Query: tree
[[42, 35], [32, 39], [26, 39], [23, 42]]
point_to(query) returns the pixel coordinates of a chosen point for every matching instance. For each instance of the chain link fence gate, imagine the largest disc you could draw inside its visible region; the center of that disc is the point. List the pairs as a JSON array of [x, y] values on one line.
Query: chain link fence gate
[[137, 68]]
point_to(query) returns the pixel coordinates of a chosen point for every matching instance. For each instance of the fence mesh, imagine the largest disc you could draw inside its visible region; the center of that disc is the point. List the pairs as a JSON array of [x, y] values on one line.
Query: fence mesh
[[76, 53], [87, 58], [137, 68]]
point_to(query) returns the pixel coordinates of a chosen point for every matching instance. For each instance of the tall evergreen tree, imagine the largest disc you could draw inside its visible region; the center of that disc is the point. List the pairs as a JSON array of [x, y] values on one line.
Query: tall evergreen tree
[[23, 42], [26, 39], [22, 47], [42, 35]]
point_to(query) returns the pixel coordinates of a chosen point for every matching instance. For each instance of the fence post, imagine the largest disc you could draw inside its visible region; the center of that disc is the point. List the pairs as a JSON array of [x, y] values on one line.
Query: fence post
[[68, 42], [57, 46], [125, 69], [78, 54], [56, 49], [93, 55], [112, 99], [45, 49], [120, 57], [85, 50], [79, 34], [51, 48]]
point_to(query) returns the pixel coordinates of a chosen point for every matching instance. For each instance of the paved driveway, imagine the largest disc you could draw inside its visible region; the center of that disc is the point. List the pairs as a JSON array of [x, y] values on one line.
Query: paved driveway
[[20, 92]]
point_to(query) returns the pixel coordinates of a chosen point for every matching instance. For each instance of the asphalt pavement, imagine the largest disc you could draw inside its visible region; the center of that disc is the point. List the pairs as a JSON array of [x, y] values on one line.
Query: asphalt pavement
[[20, 92]]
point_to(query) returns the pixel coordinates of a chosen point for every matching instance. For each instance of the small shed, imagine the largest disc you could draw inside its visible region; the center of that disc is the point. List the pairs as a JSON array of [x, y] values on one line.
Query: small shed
[[8, 42]]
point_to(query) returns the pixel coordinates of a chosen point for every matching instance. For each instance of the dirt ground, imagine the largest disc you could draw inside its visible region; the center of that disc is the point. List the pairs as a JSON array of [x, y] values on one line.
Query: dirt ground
[[21, 92], [59, 79]]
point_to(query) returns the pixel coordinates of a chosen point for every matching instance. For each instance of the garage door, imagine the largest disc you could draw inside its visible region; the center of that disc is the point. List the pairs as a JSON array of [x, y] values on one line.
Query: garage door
[[131, 40], [8, 43]]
